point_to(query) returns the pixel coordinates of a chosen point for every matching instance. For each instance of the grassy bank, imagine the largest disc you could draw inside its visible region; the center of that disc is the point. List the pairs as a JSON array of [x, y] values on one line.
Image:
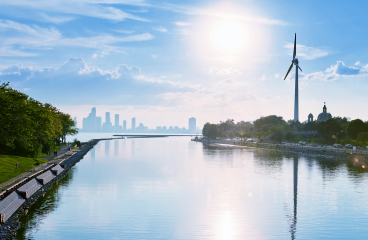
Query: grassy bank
[[8, 168]]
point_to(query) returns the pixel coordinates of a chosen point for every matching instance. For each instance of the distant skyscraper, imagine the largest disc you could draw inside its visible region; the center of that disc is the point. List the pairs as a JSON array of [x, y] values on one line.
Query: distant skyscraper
[[124, 125], [75, 122], [107, 125], [117, 127], [133, 123], [92, 123], [192, 125]]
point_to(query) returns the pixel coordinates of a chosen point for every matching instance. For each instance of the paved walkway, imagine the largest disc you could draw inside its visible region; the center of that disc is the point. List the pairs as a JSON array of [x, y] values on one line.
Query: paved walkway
[[63, 149], [63, 154]]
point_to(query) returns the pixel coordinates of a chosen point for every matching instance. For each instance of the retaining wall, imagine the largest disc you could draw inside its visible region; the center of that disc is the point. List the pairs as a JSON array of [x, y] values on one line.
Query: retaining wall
[[19, 197]]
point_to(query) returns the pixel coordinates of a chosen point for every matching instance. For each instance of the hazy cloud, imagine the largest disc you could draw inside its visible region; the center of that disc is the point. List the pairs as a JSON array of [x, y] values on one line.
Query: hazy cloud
[[304, 52], [91, 85], [47, 38], [160, 29], [182, 24], [262, 78]]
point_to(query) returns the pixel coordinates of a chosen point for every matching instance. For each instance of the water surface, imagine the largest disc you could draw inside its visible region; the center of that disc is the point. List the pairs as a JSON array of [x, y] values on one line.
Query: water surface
[[173, 188]]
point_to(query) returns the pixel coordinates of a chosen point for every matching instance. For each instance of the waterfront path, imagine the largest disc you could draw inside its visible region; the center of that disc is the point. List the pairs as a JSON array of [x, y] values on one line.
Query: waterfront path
[[63, 154]]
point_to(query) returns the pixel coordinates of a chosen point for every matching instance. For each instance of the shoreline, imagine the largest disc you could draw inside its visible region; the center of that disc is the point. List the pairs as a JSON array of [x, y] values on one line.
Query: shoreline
[[347, 154], [9, 227]]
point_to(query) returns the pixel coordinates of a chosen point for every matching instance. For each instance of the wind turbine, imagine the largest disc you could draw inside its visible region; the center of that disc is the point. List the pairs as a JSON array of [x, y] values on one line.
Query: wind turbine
[[295, 62]]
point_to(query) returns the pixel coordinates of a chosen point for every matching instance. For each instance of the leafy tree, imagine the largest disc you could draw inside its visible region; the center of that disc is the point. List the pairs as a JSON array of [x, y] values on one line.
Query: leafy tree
[[27, 126], [332, 127], [67, 126], [264, 123], [205, 129], [311, 126], [355, 127], [362, 138], [213, 131], [289, 135]]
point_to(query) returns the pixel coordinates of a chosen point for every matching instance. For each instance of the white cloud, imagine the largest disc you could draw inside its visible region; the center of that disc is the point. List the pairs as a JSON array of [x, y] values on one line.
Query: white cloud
[[154, 56], [90, 8], [262, 78], [182, 24], [334, 72], [94, 55], [160, 29], [272, 97], [44, 38], [277, 75], [124, 31], [304, 52], [56, 19], [228, 71], [220, 13], [357, 63]]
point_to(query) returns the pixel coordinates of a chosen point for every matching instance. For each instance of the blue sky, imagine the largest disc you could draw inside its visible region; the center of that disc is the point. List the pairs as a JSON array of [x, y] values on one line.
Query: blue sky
[[166, 61]]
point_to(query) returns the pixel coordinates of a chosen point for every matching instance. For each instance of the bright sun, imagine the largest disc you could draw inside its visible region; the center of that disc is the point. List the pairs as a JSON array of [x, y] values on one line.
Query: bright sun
[[228, 36]]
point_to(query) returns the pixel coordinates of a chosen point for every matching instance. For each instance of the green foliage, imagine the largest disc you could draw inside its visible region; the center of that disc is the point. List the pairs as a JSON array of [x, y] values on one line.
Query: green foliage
[[211, 130], [289, 135], [77, 143], [355, 127], [362, 139], [28, 127], [264, 123]]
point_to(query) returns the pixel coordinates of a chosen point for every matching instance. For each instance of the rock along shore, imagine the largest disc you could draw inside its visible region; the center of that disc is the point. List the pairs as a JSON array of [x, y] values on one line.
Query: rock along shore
[[9, 227]]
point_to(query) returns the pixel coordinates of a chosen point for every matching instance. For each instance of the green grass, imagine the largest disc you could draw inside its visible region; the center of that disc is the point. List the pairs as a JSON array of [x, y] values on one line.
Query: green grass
[[8, 168]]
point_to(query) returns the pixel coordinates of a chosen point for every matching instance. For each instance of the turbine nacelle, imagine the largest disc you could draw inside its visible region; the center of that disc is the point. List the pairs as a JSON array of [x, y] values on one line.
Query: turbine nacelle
[[294, 61]]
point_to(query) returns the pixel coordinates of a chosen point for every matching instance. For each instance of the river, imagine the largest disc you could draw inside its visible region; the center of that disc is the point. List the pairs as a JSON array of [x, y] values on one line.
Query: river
[[173, 188]]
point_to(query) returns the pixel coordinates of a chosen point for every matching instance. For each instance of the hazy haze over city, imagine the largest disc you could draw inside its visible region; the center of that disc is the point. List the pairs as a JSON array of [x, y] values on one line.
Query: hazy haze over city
[[164, 62]]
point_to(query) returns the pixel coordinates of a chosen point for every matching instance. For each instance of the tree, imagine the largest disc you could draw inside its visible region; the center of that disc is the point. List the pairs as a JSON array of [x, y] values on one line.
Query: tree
[[67, 126], [355, 127], [332, 127], [212, 131], [288, 135], [205, 129], [266, 122], [27, 126]]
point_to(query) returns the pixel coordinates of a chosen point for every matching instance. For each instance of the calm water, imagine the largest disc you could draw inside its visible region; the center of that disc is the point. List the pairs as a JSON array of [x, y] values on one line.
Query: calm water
[[172, 188]]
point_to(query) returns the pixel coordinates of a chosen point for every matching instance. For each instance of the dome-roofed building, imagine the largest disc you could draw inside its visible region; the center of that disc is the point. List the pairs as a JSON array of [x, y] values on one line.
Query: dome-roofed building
[[324, 116], [310, 117]]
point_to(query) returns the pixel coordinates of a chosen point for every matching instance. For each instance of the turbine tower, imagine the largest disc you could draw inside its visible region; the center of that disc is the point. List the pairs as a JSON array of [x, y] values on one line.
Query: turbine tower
[[296, 62]]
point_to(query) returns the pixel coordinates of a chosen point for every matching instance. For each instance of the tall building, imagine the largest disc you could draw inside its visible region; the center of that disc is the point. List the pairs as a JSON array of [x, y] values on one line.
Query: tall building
[[92, 123], [107, 125], [75, 122], [192, 125], [124, 125], [133, 124], [117, 127]]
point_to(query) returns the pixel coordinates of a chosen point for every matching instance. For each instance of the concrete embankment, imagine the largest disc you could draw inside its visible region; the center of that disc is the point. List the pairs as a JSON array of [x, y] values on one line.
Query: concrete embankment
[[16, 199]]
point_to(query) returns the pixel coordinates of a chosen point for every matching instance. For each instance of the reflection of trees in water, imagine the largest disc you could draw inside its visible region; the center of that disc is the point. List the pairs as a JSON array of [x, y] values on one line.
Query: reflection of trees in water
[[355, 169], [329, 166], [272, 160], [218, 154], [42, 207]]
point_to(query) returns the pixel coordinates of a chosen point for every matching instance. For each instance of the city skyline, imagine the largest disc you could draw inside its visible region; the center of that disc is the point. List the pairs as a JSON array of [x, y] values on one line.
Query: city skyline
[[92, 123]]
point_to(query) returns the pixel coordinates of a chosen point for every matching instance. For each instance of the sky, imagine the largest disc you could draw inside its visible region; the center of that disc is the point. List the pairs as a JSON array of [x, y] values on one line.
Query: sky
[[166, 61]]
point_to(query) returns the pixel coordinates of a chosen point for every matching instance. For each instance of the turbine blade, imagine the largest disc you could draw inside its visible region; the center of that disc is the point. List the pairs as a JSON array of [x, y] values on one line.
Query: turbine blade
[[291, 66], [294, 47], [298, 67]]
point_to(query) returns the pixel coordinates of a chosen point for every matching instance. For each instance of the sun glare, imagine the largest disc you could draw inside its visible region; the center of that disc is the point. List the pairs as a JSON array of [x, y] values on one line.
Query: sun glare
[[228, 36]]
